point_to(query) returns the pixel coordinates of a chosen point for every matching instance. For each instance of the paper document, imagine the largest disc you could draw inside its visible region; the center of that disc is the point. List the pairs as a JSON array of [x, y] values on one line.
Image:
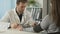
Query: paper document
[[4, 26]]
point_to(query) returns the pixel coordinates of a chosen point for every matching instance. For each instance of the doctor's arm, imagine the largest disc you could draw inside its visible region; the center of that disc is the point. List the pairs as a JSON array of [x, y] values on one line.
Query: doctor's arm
[[5, 18]]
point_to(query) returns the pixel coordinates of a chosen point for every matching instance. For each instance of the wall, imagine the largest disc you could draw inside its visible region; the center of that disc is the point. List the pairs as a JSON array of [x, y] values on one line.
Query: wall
[[13, 4], [6, 5], [40, 2]]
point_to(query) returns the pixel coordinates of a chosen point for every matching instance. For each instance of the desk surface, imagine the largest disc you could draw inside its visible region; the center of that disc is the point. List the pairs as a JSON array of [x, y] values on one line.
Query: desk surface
[[16, 32]]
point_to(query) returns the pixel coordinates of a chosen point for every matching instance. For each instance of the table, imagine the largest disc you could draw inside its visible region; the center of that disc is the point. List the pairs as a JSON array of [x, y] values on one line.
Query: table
[[16, 32], [4, 30]]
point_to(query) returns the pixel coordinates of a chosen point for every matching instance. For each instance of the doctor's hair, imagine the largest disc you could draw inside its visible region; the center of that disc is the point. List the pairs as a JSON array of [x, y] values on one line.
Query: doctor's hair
[[55, 13], [23, 1]]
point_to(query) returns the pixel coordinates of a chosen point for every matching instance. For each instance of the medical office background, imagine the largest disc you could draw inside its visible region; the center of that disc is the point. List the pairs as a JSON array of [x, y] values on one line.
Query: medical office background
[[38, 12]]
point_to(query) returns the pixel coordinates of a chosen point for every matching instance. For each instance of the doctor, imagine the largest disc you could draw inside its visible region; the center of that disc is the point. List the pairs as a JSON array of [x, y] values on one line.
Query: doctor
[[19, 17]]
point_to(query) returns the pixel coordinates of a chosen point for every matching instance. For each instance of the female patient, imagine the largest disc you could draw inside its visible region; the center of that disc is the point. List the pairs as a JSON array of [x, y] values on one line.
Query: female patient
[[51, 23]]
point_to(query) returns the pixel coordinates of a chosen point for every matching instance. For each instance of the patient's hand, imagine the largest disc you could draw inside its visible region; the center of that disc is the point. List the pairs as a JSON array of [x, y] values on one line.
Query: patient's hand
[[34, 24]]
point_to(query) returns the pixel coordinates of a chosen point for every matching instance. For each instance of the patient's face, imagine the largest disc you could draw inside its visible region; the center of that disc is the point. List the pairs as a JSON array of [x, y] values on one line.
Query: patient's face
[[21, 7]]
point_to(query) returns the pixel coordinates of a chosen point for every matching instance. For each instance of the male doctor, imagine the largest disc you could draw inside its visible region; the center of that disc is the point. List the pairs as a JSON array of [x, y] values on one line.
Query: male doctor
[[18, 17]]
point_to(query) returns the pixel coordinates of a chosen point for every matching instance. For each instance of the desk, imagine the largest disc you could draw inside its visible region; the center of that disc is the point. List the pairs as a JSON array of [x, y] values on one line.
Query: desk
[[16, 32]]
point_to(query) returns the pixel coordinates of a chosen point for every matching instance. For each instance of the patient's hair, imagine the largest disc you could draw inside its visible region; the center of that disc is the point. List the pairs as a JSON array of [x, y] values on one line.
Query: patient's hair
[[56, 11], [23, 1]]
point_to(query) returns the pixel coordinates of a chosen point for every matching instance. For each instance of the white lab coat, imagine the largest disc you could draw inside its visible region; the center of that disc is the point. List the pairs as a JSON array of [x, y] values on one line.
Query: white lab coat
[[12, 17]]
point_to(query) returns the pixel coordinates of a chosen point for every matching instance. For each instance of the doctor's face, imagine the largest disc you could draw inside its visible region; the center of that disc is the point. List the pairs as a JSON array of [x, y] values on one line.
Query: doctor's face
[[21, 6]]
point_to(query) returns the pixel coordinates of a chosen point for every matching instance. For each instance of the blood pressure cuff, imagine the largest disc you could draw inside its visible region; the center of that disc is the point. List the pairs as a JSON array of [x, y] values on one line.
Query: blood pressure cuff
[[37, 28]]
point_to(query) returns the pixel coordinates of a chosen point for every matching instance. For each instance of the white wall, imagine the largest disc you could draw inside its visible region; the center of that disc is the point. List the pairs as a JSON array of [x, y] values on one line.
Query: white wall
[[40, 2]]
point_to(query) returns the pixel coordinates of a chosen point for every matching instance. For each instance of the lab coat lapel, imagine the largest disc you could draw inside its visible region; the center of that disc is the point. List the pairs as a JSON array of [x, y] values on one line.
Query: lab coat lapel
[[16, 17], [23, 18]]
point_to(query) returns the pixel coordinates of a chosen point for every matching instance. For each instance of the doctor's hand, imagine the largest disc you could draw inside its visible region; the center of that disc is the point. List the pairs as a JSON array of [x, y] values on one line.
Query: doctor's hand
[[14, 25], [20, 28]]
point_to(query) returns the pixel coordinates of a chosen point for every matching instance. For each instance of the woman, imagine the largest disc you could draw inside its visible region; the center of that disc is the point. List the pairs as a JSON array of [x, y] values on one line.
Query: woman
[[51, 23]]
